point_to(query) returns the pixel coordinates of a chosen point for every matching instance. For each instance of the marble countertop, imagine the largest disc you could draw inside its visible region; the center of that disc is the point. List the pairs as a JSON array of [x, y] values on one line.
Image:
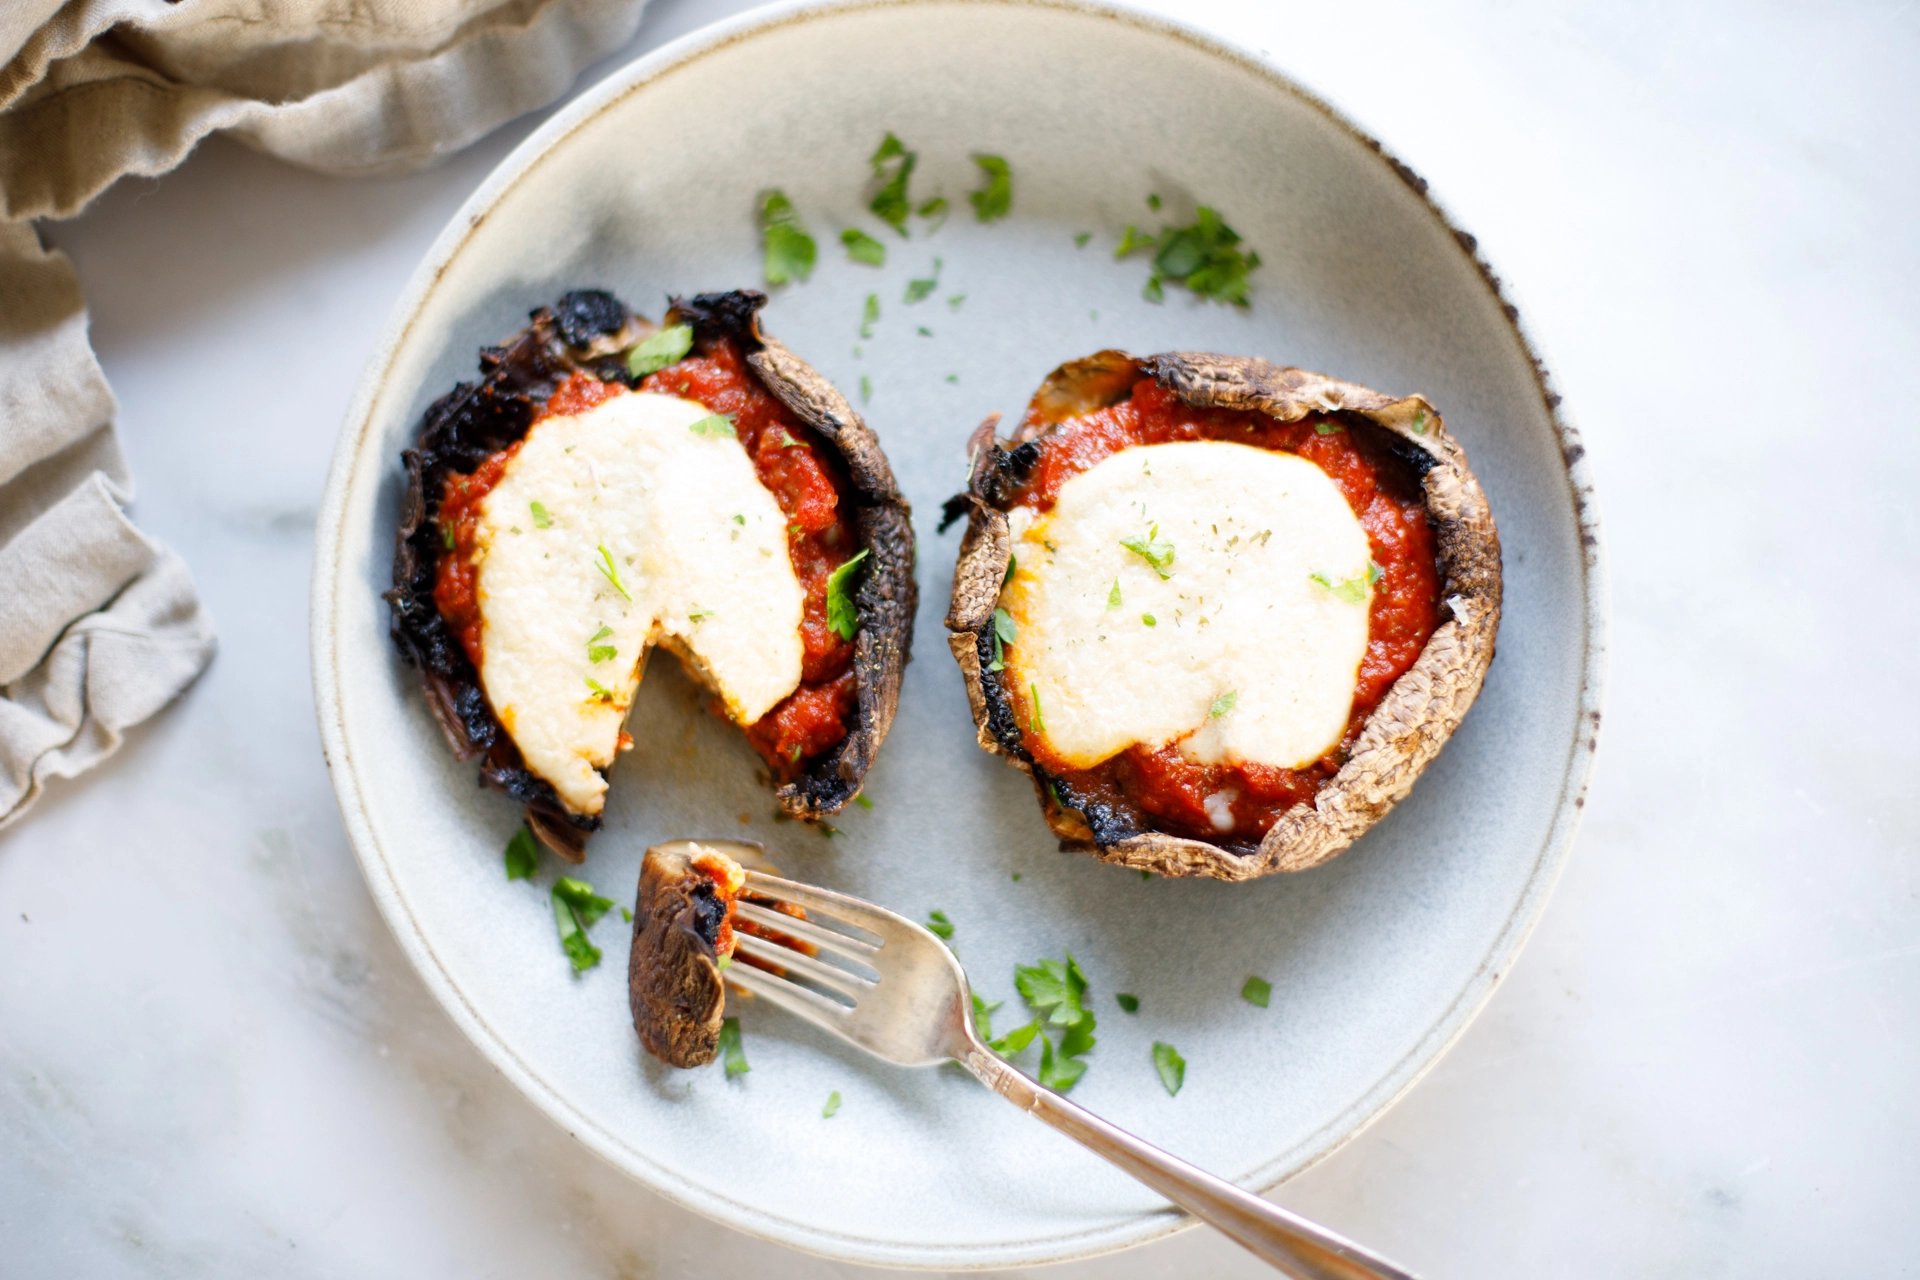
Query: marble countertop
[[214, 1060]]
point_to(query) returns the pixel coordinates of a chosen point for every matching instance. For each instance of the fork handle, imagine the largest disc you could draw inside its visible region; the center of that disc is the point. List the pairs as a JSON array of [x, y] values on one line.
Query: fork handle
[[1288, 1243]]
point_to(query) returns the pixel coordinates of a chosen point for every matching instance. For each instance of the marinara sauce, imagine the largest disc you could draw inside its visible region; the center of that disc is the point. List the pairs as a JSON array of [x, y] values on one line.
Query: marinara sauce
[[793, 464], [1387, 500]]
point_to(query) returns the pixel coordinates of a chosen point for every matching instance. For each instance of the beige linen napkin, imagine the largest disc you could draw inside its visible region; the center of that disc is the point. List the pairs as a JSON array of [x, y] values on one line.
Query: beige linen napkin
[[100, 625]]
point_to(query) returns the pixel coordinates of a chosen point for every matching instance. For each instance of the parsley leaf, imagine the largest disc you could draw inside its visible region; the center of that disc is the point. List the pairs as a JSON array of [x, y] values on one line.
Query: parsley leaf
[[669, 346], [995, 199], [600, 691], [575, 907], [1062, 1073], [1153, 291], [935, 209], [1353, 590], [446, 536], [843, 618], [869, 315], [833, 1105], [1325, 428], [609, 571], [540, 517], [1257, 991], [1131, 240], [1128, 1001], [866, 388], [1419, 422], [891, 205], [1222, 704], [1149, 620], [862, 247], [863, 802], [939, 926], [1039, 721], [1004, 633], [1205, 257], [1171, 1066], [790, 251], [523, 855], [1080, 241], [699, 615], [601, 652], [1151, 549], [731, 1053], [715, 424], [1113, 596], [1013, 563], [918, 289], [983, 1015], [1015, 1040], [1374, 572], [1056, 989]]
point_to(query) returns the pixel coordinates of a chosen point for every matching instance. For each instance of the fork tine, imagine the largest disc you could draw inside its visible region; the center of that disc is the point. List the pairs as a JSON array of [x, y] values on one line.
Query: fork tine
[[861, 915], [839, 943], [826, 975], [800, 1002]]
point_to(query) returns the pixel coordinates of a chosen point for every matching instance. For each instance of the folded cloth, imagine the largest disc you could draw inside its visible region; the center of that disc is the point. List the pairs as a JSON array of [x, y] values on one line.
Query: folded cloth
[[100, 625]]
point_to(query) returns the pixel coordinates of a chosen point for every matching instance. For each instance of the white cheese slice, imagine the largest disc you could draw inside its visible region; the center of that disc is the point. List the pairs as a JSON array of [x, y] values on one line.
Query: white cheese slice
[[698, 546], [1240, 613]]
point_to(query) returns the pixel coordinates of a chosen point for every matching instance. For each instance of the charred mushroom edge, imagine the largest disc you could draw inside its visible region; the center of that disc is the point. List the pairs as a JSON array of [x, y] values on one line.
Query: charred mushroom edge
[[590, 331], [1405, 731]]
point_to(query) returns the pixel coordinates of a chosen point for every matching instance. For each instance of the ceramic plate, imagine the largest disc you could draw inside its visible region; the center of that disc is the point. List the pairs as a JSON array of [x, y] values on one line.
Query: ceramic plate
[[647, 185]]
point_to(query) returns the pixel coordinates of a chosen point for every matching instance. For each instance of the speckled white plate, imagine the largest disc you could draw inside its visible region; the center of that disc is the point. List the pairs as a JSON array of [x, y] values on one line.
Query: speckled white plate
[[646, 185]]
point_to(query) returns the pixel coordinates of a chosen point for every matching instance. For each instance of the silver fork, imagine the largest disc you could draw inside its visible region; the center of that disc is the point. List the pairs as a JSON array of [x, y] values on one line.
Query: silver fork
[[904, 998]]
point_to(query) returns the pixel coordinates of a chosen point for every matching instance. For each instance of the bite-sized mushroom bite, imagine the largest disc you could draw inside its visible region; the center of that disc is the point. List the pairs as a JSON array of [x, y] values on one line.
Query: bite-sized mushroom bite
[[610, 485], [1223, 613], [684, 932]]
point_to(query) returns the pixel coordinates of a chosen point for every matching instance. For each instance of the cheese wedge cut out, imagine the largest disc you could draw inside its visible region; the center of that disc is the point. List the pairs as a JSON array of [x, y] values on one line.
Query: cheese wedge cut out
[[1246, 651], [646, 531]]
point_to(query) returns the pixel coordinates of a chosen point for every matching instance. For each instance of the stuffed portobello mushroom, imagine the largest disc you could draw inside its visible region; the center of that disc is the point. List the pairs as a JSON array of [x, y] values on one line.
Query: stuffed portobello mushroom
[[1223, 613], [609, 485], [685, 935]]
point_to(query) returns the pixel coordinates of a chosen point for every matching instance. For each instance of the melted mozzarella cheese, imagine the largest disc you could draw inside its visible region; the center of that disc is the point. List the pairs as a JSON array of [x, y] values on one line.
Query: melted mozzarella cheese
[[1239, 613], [645, 531]]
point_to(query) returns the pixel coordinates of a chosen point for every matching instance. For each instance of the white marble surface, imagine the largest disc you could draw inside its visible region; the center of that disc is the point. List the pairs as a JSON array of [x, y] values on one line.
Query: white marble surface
[[214, 1061]]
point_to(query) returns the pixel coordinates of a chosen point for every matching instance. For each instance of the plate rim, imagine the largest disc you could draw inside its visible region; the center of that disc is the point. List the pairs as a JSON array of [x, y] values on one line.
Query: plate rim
[[351, 450]]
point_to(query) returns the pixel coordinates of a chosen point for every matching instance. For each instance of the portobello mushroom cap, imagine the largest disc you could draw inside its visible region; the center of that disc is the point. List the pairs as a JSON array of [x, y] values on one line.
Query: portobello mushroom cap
[[673, 971], [1404, 732], [590, 331]]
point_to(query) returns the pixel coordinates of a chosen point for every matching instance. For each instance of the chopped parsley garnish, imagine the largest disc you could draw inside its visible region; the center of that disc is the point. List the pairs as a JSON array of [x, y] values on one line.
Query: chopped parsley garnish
[[1113, 596], [600, 691], [731, 1053], [894, 163], [1015, 1040], [843, 618], [609, 571], [540, 517], [597, 652], [866, 388], [626, 913], [1149, 620], [863, 802], [523, 855], [869, 314], [1222, 704], [1204, 257], [954, 303], [1151, 549], [1056, 990], [1062, 1073], [1128, 1001], [1353, 590], [983, 1015], [1171, 1066], [1153, 291], [786, 442], [919, 289], [446, 536], [1153, 202], [938, 925], [935, 209], [669, 346], [1419, 422], [743, 519], [1257, 991], [699, 615], [1080, 241], [1145, 874], [862, 247], [1326, 428], [575, 908], [833, 1105], [1374, 572], [715, 424], [1039, 721], [1004, 633], [1013, 564], [790, 251], [995, 199], [1130, 240]]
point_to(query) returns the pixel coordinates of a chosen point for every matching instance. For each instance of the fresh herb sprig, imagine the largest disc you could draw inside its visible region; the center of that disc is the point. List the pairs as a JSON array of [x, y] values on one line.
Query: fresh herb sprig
[[893, 165], [995, 200], [862, 247], [790, 251], [669, 346], [843, 616], [575, 909], [1206, 257]]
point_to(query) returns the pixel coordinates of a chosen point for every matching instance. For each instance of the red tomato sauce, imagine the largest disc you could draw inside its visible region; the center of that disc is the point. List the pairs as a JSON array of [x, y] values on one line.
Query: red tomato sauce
[[794, 465], [1386, 499]]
